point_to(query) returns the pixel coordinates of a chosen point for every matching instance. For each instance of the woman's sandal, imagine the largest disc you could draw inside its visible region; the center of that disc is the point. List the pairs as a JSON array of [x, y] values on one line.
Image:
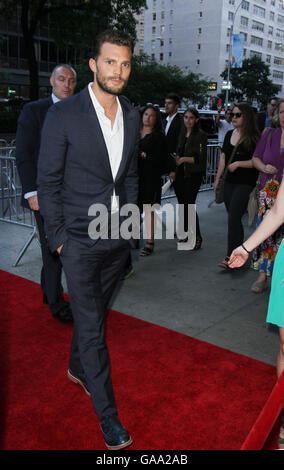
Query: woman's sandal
[[224, 264], [259, 286], [148, 249], [280, 441]]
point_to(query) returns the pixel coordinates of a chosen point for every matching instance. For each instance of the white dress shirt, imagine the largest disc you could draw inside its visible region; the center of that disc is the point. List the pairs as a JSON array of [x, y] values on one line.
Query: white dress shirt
[[114, 138], [169, 120], [34, 193]]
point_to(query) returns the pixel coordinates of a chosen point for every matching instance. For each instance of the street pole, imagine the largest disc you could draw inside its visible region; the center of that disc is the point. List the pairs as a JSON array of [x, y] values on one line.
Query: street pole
[[230, 56]]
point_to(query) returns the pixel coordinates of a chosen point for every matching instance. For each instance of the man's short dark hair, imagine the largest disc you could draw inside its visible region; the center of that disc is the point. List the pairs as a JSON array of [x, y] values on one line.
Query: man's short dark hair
[[113, 36], [174, 97]]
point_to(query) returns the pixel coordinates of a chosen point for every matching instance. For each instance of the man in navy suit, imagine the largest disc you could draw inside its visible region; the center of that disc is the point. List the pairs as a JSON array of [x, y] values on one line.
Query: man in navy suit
[[31, 119], [88, 158]]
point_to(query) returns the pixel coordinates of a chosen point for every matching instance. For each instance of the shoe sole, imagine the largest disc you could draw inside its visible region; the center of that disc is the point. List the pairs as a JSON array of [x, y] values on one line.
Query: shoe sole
[[121, 446], [128, 275], [77, 381]]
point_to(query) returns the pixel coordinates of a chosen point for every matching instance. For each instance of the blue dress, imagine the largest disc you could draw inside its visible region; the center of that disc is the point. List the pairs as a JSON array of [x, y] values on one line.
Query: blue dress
[[275, 313]]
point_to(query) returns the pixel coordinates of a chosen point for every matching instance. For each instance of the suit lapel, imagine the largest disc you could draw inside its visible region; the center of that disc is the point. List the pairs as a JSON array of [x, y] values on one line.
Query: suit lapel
[[95, 130], [98, 138]]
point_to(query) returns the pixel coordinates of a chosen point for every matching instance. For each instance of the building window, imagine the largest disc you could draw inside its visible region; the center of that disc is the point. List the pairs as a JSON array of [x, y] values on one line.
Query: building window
[[256, 40], [258, 26], [278, 61], [244, 37], [280, 33], [245, 5], [259, 11], [278, 75], [255, 54], [244, 21]]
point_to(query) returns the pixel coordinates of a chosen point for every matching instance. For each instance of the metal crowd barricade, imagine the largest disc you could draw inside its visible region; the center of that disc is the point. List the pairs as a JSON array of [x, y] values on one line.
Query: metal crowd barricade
[[11, 209]]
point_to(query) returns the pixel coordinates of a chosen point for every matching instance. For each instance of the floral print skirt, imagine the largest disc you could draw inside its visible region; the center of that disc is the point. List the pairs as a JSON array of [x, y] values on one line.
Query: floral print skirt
[[264, 255]]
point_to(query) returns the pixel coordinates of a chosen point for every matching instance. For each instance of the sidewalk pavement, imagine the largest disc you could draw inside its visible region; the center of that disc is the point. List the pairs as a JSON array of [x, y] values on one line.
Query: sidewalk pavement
[[184, 291]]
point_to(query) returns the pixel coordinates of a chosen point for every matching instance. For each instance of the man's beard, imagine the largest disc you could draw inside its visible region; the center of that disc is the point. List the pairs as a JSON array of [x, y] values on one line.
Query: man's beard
[[103, 84]]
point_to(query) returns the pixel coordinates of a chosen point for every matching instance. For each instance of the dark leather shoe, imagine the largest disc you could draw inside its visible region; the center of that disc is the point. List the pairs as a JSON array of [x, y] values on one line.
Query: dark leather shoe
[[115, 436], [64, 315], [78, 380]]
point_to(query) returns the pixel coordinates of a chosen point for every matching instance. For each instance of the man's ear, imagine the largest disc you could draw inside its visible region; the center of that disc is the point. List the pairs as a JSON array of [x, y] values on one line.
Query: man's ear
[[93, 65]]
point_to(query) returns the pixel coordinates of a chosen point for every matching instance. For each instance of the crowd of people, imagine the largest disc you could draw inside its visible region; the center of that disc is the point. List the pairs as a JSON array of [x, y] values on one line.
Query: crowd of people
[[83, 150]]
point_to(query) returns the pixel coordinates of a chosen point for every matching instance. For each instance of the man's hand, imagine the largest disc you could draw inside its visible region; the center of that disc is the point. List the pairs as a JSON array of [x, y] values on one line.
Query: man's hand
[[33, 203], [172, 176]]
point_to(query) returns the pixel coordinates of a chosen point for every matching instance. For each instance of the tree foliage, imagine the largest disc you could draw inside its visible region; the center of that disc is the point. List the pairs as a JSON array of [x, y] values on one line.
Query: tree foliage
[[251, 82], [150, 82]]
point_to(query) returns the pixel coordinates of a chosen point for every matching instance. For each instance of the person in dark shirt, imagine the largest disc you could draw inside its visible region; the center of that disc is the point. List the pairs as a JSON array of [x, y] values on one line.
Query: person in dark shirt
[[241, 176], [152, 163]]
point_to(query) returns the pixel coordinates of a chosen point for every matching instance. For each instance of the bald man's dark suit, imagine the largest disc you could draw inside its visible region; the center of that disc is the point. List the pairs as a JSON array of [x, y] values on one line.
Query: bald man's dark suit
[[28, 139]]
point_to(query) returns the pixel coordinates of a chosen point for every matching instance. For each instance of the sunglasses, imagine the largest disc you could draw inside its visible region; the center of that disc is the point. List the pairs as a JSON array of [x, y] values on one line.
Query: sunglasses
[[237, 115]]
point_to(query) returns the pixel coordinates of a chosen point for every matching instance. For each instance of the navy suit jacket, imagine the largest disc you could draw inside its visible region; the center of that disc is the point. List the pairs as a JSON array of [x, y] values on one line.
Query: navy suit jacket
[[28, 136], [74, 170]]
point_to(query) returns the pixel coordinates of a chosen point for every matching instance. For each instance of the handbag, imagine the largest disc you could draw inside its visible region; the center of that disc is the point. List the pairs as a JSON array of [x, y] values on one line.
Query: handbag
[[252, 207], [219, 193]]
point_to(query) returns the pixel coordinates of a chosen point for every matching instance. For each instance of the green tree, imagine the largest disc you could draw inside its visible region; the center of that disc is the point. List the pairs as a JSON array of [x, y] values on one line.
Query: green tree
[[72, 23], [150, 82], [251, 82]]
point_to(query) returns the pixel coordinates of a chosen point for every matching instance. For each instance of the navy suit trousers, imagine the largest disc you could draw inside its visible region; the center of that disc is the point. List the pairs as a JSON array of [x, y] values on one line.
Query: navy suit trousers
[[92, 274]]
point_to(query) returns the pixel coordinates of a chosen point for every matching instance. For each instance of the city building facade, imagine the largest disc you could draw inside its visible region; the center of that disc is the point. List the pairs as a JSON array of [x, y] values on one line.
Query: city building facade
[[14, 74], [196, 35]]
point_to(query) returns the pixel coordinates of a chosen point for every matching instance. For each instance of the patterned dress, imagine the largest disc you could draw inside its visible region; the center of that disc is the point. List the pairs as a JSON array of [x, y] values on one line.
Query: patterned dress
[[269, 151], [264, 255]]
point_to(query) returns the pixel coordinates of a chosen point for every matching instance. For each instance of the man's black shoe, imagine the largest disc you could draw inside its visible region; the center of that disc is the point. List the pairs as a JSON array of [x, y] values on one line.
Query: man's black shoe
[[78, 380], [115, 436], [64, 315]]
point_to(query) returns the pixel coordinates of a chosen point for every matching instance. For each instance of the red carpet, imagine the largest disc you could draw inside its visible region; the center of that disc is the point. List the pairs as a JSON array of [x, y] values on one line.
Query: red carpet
[[173, 392]]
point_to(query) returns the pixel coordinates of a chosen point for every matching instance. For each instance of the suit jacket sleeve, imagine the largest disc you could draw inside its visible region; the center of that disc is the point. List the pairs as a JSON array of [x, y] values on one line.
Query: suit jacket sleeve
[[50, 177], [131, 179], [27, 146], [201, 153]]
